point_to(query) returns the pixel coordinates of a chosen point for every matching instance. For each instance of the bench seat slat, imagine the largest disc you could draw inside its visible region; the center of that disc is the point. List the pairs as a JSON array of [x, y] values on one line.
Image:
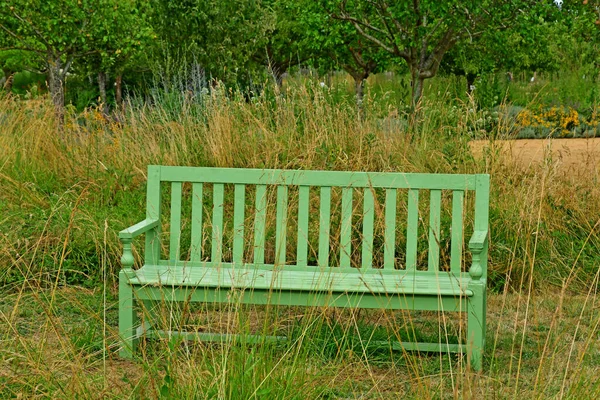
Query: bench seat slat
[[269, 277]]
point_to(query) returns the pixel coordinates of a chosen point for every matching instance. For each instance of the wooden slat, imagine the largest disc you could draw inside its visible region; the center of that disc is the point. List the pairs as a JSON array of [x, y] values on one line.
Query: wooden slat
[[319, 178], [482, 210], [259, 224], [412, 229], [435, 206], [197, 210], [217, 223], [238, 224], [457, 231], [303, 212], [324, 226], [175, 237], [346, 228], [367, 234], [153, 210], [281, 225], [389, 253]]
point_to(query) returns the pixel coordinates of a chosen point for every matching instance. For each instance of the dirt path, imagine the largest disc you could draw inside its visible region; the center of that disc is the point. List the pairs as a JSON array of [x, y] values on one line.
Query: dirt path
[[570, 155]]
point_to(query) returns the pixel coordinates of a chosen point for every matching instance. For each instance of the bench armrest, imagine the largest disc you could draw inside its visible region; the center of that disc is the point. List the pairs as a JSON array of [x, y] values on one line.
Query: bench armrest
[[478, 241], [138, 229]]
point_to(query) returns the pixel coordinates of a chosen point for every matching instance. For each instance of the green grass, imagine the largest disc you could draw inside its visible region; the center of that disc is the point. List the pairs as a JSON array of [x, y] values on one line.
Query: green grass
[[63, 344], [64, 195]]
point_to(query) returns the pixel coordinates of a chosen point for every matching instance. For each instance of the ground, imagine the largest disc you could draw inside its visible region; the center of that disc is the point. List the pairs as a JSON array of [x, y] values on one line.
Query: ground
[[569, 155]]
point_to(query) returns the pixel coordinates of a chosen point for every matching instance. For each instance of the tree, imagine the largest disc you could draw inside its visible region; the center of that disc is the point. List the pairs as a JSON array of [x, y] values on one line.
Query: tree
[[222, 37], [422, 31], [57, 32], [120, 32], [13, 61]]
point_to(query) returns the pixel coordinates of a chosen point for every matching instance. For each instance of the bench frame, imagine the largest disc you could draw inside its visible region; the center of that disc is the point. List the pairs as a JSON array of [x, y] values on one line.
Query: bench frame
[[468, 295]]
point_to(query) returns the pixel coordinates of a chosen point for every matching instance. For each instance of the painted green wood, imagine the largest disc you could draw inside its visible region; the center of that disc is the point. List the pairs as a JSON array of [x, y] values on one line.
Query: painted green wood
[[139, 228], [216, 254], [482, 206], [175, 235], [214, 337], [127, 317], [153, 211], [458, 197], [324, 226], [281, 225], [197, 211], [303, 212], [435, 206], [312, 280], [346, 228], [298, 284], [238, 223], [430, 347], [412, 229], [367, 233], [319, 178], [389, 252], [303, 298], [260, 216]]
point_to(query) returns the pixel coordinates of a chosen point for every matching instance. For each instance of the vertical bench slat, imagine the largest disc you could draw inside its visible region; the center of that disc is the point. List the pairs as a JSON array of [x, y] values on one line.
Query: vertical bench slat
[[303, 211], [238, 224], [435, 206], [389, 253], [346, 228], [324, 227], [153, 211], [412, 229], [368, 218], [458, 197], [482, 212], [197, 209], [175, 245], [259, 224], [281, 225], [217, 223]]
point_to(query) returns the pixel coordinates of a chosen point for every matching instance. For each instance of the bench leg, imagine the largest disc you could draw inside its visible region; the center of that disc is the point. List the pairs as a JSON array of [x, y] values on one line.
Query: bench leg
[[476, 325], [128, 320]]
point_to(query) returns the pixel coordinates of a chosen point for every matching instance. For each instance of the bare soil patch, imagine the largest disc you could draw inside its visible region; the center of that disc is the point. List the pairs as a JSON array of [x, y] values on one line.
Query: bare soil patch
[[568, 155]]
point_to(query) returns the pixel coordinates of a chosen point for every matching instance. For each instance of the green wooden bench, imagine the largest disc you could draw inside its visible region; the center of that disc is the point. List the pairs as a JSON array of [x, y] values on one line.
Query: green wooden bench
[[311, 238]]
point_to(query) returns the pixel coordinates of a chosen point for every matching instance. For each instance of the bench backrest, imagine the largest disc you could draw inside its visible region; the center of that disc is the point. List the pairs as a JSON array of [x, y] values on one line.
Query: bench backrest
[[251, 208]]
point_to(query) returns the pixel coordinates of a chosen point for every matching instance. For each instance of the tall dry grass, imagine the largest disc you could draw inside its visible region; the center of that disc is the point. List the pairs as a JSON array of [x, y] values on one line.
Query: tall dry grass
[[65, 194]]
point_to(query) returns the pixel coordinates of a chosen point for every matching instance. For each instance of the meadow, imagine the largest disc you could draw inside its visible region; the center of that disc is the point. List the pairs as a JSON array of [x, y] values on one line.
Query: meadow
[[65, 194]]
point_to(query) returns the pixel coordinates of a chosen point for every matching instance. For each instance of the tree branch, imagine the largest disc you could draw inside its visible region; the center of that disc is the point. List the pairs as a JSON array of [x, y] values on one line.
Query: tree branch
[[35, 30]]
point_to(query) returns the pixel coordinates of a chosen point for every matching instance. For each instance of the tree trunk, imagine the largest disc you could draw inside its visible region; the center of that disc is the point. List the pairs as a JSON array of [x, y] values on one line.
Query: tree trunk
[[417, 90], [470, 82], [55, 85], [102, 89], [118, 90], [359, 88], [9, 75]]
